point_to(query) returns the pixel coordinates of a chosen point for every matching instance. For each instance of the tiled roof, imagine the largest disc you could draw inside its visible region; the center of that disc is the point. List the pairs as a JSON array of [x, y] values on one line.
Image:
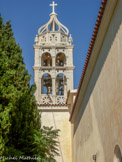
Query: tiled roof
[[93, 39]]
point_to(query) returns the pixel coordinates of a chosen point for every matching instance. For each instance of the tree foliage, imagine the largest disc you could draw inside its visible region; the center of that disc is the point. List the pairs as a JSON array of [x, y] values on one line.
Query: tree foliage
[[20, 133]]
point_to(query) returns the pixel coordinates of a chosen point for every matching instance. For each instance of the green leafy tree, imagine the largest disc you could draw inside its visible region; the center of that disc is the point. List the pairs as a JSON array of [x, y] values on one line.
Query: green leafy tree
[[20, 133]]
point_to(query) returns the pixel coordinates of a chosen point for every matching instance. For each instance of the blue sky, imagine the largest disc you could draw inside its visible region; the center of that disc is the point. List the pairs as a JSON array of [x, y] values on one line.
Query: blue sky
[[28, 15]]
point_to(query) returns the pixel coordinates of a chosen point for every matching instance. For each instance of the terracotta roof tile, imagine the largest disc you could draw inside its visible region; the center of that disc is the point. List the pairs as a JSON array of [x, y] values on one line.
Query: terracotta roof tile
[[94, 35]]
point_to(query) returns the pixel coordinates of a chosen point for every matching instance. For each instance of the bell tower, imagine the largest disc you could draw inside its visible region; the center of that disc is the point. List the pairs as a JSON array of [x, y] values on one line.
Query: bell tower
[[53, 76]]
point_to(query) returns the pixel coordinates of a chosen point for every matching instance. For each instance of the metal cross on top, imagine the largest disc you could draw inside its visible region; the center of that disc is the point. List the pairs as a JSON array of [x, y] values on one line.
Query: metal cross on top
[[53, 6]]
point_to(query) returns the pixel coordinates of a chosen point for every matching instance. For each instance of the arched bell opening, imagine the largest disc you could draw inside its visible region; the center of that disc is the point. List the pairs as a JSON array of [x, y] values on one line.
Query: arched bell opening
[[60, 59], [46, 59], [46, 84], [60, 84], [117, 154]]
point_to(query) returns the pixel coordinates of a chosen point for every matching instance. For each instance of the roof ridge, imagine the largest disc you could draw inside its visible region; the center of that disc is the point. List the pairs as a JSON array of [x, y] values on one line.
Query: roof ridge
[[93, 39]]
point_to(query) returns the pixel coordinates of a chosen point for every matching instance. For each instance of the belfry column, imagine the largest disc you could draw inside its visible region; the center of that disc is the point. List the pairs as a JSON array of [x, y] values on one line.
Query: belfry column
[[53, 56], [64, 91], [53, 61], [40, 88], [36, 82], [53, 85], [53, 89]]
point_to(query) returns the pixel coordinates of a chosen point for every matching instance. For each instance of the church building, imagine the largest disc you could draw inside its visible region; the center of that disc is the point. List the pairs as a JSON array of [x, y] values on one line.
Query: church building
[[96, 114], [53, 75], [89, 118]]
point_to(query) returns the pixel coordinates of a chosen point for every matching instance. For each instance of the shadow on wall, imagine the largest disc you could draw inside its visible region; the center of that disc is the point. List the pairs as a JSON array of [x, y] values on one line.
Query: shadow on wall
[[98, 67]]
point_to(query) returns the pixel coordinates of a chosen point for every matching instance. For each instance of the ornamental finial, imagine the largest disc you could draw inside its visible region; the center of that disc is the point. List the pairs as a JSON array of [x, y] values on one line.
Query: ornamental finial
[[53, 7]]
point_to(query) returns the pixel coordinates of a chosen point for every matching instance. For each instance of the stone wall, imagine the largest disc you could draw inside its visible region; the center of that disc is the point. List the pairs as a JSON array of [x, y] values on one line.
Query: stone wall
[[58, 117], [98, 125]]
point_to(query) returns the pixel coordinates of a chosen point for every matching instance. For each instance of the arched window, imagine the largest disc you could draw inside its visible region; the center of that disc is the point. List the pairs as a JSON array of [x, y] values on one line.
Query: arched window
[[117, 154], [60, 59], [46, 59], [46, 84], [60, 84]]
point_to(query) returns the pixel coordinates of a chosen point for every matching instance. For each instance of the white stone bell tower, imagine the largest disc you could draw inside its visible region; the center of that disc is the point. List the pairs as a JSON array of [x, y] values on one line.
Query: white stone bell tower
[[53, 75]]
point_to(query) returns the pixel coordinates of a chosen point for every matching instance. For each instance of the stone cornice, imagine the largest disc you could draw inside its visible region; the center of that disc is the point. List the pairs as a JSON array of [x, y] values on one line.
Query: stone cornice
[[36, 46], [55, 32], [54, 68], [70, 47], [70, 68], [55, 46], [36, 67], [53, 108]]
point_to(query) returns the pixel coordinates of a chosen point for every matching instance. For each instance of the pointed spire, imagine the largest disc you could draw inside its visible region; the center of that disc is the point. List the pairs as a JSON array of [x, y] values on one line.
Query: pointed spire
[[53, 24]]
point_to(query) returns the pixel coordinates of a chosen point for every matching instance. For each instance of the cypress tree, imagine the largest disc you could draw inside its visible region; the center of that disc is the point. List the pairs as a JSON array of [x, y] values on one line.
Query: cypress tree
[[20, 133]]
